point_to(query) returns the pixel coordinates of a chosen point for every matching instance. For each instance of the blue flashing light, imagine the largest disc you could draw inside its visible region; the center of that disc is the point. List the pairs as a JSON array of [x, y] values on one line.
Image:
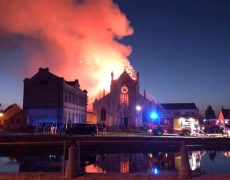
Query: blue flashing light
[[154, 115], [155, 171]]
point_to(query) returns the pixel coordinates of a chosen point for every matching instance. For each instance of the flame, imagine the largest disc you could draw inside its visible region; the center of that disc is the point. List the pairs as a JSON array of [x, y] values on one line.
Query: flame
[[75, 39]]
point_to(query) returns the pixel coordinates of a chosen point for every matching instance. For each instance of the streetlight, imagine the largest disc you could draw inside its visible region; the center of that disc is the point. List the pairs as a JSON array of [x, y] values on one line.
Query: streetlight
[[138, 108], [1, 115]]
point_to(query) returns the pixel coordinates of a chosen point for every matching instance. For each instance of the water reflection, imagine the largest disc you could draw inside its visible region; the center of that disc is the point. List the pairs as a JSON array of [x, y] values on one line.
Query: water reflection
[[31, 163], [8, 164], [227, 154], [153, 163], [195, 160], [141, 162], [42, 163]]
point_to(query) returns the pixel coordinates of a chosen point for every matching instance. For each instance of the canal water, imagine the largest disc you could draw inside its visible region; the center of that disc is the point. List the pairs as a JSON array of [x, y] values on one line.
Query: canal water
[[152, 162]]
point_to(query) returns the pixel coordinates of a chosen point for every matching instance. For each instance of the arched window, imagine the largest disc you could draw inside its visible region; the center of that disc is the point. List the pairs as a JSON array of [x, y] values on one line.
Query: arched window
[[124, 97], [103, 114]]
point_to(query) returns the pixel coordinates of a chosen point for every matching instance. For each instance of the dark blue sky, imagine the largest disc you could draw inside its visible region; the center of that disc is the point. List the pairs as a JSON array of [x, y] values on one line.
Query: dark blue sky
[[181, 49]]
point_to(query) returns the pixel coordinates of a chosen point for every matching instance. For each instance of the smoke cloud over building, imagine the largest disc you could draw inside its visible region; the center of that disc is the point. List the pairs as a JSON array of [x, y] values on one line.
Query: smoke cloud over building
[[75, 39]]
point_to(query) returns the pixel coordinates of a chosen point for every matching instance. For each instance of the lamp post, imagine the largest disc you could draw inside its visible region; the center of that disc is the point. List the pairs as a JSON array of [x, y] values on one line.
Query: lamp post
[[1, 115], [138, 108]]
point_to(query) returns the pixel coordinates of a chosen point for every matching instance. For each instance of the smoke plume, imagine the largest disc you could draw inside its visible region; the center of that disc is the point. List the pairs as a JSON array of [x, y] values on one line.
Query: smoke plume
[[76, 39]]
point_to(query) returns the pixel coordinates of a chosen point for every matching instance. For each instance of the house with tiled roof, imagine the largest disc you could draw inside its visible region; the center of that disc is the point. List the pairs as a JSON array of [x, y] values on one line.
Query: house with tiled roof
[[224, 116], [174, 110], [171, 114], [12, 118]]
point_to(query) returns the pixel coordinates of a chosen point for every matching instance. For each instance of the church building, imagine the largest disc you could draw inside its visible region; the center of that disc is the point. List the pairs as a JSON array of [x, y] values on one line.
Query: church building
[[124, 106]]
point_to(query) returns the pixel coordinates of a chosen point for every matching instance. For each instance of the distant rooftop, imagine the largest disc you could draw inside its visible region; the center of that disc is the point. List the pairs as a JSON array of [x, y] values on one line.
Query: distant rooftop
[[178, 106]]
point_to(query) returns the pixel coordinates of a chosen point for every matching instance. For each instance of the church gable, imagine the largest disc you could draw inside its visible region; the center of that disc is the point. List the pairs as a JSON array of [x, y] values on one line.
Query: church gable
[[118, 108], [125, 81], [125, 77]]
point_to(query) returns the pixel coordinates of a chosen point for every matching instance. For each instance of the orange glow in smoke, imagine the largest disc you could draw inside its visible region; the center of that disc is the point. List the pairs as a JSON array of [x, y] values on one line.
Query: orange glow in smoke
[[75, 39]]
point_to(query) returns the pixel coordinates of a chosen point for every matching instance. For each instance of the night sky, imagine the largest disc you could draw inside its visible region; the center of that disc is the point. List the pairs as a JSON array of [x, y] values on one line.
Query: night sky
[[180, 48]]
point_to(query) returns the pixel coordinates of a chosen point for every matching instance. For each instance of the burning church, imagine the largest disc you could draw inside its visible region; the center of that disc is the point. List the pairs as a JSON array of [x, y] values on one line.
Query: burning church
[[124, 106]]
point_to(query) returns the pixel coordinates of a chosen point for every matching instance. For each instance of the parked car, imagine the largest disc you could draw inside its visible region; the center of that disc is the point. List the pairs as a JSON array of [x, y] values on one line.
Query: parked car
[[90, 129]]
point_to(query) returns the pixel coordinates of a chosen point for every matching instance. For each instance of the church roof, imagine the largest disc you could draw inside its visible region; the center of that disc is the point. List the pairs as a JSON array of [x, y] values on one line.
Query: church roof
[[178, 106], [125, 75]]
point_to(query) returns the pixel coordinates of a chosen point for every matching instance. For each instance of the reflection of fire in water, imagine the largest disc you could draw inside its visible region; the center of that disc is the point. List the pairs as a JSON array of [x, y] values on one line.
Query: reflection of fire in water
[[94, 169], [124, 165]]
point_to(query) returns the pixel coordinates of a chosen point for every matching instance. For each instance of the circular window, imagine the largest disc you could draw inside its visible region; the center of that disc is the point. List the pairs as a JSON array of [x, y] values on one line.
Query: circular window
[[124, 89]]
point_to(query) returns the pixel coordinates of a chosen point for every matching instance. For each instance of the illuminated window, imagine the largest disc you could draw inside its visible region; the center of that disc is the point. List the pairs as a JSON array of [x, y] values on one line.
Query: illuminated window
[[124, 97]]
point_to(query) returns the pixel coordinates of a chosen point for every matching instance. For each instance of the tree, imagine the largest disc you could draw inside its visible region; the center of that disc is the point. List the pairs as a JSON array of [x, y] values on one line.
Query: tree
[[210, 113]]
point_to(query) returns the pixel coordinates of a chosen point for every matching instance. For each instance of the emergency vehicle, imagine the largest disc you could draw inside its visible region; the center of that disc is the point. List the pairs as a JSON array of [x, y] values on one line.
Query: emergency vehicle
[[184, 126]]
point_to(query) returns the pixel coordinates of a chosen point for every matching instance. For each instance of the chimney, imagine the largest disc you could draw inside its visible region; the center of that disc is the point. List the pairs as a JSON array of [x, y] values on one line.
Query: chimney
[[44, 69]]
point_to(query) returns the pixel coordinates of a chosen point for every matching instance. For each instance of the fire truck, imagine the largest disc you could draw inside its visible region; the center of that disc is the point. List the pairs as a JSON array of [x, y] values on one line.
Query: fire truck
[[184, 126]]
